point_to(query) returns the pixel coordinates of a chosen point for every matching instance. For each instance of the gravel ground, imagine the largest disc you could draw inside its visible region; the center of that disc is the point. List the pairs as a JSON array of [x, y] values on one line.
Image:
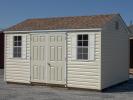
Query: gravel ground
[[24, 92]]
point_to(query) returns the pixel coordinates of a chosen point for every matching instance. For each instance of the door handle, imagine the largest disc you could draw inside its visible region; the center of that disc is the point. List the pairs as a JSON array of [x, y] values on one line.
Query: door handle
[[49, 64]]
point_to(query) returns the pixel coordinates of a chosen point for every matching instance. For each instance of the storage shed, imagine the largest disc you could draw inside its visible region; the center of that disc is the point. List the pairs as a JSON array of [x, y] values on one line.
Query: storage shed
[[1, 49], [90, 52], [131, 47]]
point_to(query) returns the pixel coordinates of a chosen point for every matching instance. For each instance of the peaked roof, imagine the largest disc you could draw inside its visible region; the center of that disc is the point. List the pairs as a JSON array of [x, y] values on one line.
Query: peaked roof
[[74, 22]]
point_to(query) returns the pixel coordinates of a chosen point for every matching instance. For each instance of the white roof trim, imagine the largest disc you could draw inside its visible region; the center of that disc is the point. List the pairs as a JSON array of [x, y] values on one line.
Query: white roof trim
[[62, 30]]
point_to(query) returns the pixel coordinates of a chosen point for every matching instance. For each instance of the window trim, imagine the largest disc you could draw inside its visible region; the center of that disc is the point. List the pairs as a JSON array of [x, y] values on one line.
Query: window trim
[[17, 46]]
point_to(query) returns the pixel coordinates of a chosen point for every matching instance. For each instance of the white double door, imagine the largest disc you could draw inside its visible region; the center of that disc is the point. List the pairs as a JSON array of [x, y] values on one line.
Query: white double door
[[48, 63]]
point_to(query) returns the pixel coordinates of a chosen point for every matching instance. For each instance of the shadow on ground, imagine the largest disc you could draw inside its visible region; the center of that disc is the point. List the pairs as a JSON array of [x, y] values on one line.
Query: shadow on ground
[[124, 87]]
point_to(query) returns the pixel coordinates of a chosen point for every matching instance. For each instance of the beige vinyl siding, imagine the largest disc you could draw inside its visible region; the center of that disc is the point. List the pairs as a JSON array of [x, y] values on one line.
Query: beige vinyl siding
[[17, 69], [84, 74], [115, 54]]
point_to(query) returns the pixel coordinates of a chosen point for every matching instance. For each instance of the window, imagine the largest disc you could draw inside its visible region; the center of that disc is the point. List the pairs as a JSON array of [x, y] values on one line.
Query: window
[[116, 25], [82, 47], [17, 46]]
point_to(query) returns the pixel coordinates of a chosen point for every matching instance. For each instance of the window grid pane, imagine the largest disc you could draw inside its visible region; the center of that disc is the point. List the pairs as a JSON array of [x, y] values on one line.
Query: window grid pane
[[19, 38], [85, 37], [79, 37], [85, 56], [85, 43], [19, 43], [15, 43], [15, 38], [80, 43]]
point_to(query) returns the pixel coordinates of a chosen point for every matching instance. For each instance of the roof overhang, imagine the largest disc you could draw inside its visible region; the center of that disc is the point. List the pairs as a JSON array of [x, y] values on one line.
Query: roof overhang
[[58, 30]]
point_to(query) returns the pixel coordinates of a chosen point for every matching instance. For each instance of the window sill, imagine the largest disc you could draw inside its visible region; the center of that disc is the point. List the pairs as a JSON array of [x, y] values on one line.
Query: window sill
[[82, 60], [17, 58]]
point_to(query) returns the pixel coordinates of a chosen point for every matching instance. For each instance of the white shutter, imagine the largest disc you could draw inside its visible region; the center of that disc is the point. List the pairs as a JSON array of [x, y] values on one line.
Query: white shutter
[[24, 46], [10, 45], [73, 46], [91, 49]]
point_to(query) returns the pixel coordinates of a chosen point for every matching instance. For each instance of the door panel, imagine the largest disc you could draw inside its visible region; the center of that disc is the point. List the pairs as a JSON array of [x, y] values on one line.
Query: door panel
[[56, 59], [48, 58], [38, 58], [52, 53]]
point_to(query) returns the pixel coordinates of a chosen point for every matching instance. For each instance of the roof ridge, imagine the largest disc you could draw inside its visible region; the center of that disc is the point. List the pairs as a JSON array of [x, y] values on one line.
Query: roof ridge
[[59, 17]]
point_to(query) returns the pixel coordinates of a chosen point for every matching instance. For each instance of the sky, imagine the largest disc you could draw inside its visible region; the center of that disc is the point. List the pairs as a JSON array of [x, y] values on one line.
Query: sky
[[15, 11]]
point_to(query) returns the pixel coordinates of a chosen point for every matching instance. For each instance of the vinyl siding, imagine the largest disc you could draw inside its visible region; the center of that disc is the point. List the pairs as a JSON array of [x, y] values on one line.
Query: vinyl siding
[[84, 74], [17, 69], [115, 54]]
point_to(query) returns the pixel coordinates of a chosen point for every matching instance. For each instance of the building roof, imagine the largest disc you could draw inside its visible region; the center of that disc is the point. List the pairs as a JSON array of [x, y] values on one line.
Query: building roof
[[56, 23], [130, 28]]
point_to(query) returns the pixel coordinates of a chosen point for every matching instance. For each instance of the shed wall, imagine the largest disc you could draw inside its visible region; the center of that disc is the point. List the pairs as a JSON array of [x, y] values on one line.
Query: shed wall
[[17, 69], [84, 74], [115, 53], [80, 74]]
